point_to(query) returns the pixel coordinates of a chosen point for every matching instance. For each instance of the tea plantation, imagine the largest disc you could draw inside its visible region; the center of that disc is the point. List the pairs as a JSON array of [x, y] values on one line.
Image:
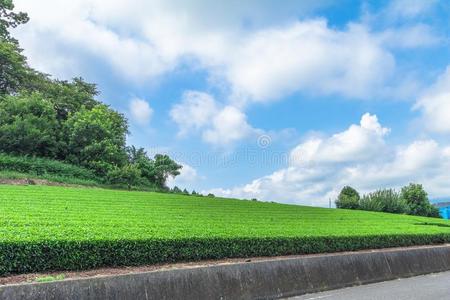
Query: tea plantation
[[58, 228]]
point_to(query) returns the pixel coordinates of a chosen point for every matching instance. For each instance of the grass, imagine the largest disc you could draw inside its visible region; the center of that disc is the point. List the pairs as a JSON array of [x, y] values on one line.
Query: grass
[[58, 228], [50, 278]]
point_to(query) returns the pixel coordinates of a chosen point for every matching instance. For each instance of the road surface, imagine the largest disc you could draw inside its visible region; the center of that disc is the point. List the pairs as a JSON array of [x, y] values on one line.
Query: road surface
[[434, 286]]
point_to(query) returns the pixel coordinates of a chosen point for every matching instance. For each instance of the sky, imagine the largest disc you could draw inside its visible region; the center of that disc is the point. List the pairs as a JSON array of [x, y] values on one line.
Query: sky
[[280, 101]]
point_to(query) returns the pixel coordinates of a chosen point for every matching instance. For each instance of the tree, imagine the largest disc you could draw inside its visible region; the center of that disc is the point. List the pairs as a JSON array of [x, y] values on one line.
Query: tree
[[28, 125], [10, 19], [96, 139], [387, 200], [348, 198], [145, 164], [129, 175], [68, 97], [163, 167], [13, 68], [417, 199], [176, 190]]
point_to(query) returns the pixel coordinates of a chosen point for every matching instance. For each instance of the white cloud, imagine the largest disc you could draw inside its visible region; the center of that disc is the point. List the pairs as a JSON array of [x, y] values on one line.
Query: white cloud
[[228, 126], [308, 56], [414, 36], [409, 8], [257, 63], [187, 179], [323, 166], [435, 105], [219, 125], [140, 111], [357, 143], [195, 111]]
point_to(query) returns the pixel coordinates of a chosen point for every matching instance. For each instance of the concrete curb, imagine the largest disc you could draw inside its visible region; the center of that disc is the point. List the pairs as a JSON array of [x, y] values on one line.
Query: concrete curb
[[268, 279]]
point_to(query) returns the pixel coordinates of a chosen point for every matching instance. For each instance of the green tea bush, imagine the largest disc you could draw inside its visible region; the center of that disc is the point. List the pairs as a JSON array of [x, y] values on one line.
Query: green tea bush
[[29, 257], [58, 228]]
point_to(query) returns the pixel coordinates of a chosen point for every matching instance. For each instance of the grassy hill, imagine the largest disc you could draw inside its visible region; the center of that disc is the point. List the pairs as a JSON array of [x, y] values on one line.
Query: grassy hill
[[58, 228]]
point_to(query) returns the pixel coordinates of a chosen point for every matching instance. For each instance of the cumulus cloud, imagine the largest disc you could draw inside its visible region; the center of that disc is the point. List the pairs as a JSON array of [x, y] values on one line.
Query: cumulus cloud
[[413, 36], [357, 143], [187, 179], [309, 56], [257, 63], [228, 126], [323, 166], [435, 105], [409, 8], [219, 125], [140, 111], [195, 110]]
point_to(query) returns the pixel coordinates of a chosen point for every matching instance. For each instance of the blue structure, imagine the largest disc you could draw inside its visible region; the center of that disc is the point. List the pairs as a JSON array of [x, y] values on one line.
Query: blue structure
[[444, 209]]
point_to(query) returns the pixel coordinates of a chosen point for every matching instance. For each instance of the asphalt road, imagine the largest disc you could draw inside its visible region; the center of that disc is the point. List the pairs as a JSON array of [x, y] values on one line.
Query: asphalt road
[[428, 287]]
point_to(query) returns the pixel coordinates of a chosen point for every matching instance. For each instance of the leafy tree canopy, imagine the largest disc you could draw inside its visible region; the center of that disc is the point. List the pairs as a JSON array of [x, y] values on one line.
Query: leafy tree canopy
[[28, 125], [10, 19], [348, 198], [96, 138], [417, 199], [13, 68]]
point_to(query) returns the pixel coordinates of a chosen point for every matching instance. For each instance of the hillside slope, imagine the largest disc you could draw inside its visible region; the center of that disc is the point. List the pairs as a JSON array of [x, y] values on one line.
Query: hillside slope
[[59, 228]]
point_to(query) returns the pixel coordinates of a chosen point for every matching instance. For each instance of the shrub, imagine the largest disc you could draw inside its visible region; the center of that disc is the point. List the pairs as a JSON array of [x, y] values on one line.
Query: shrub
[[348, 198], [42, 167], [417, 200], [28, 125], [39, 256], [384, 200], [370, 204], [130, 175]]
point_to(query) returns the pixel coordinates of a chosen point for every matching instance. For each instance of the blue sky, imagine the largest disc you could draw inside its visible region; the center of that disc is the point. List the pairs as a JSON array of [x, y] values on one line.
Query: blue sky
[[285, 102]]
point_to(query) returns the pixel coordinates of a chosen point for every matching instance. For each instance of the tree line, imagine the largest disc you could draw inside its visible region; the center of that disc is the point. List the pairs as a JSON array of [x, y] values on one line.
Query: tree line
[[63, 120], [412, 200]]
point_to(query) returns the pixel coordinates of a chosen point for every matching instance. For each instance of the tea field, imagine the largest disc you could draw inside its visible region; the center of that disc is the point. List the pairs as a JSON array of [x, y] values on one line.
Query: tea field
[[46, 228]]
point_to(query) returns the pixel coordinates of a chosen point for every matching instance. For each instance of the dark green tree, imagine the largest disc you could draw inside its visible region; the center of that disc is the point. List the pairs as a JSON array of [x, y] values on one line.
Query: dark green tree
[[96, 139], [10, 19], [28, 125], [163, 167], [68, 97], [417, 200], [14, 70], [348, 198], [129, 175], [176, 190], [145, 164]]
